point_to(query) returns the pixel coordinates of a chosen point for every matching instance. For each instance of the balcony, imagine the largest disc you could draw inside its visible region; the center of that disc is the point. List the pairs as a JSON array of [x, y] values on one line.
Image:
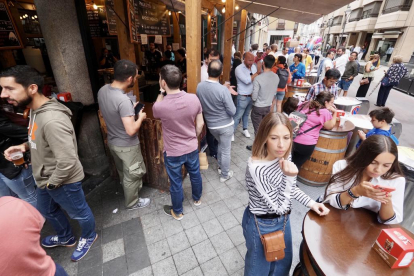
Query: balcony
[[350, 26], [366, 24], [396, 5]]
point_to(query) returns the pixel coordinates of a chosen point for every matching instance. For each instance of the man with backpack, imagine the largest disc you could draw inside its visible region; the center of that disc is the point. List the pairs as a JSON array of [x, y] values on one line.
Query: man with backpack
[[264, 90], [284, 79]]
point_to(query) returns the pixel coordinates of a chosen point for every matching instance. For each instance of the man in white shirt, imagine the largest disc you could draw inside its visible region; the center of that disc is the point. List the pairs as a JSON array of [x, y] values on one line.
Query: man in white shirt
[[212, 55], [273, 50], [327, 64], [341, 60], [292, 55]]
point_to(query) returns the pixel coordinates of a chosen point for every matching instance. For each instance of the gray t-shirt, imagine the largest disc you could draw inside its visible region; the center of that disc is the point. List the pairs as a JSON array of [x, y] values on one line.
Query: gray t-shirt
[[114, 105], [264, 89]]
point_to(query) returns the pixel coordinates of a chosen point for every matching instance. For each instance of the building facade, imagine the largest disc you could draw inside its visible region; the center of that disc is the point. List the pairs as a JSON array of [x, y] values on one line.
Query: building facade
[[279, 29], [384, 26]]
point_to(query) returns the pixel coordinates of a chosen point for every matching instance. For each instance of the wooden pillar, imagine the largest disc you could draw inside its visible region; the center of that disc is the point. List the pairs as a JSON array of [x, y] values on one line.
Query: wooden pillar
[[164, 44], [228, 34], [126, 48], [176, 27], [242, 35], [193, 40], [208, 38]]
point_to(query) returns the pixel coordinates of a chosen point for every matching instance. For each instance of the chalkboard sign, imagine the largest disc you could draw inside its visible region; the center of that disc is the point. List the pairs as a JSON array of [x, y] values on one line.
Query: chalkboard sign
[[148, 18], [9, 38], [97, 22], [111, 17]]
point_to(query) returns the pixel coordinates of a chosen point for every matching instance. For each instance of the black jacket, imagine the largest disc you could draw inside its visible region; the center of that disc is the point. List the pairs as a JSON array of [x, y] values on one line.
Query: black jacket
[[233, 79], [10, 134]]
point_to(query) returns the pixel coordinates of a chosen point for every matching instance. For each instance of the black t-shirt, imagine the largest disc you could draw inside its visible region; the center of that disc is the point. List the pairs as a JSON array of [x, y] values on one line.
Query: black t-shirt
[[182, 65], [154, 59]]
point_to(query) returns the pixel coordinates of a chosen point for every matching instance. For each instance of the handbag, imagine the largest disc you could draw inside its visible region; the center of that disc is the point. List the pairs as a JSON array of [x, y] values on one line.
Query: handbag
[[273, 243], [364, 81], [386, 82]]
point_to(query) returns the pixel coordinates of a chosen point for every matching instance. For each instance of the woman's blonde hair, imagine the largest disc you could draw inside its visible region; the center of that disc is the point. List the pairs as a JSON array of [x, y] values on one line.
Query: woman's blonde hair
[[271, 120], [397, 59]]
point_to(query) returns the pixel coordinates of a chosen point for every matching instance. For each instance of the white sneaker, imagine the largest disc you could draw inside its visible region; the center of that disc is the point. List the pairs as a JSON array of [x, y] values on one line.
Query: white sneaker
[[219, 171], [232, 138], [224, 179], [246, 133], [142, 203]]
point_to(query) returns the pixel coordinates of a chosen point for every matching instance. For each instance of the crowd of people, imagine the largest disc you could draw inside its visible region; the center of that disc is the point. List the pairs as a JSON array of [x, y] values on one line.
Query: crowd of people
[[50, 181]]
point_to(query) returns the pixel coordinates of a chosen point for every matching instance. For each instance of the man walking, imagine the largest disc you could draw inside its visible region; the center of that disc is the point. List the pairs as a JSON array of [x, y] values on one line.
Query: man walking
[[350, 72], [327, 64], [218, 110], [341, 60], [264, 90], [178, 111], [55, 162], [119, 115], [245, 75]]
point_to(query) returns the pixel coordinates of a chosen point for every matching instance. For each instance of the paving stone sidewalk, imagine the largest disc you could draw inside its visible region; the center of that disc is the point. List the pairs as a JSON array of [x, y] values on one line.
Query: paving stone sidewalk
[[207, 241]]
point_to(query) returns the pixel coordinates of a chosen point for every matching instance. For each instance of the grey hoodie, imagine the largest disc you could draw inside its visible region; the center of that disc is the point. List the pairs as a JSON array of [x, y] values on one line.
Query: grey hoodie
[[53, 147]]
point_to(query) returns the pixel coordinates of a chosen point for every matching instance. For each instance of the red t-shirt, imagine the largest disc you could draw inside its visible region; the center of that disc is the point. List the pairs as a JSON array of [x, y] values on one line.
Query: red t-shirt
[[20, 250]]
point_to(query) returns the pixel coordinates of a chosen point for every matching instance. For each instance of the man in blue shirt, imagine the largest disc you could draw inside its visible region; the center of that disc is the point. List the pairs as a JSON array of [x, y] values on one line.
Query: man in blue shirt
[[245, 74]]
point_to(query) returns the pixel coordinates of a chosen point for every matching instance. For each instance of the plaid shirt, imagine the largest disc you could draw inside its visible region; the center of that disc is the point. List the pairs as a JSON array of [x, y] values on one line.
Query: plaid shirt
[[320, 87]]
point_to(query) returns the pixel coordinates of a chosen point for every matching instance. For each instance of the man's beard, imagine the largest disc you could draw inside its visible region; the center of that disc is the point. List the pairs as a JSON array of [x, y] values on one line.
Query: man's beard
[[23, 103], [132, 84]]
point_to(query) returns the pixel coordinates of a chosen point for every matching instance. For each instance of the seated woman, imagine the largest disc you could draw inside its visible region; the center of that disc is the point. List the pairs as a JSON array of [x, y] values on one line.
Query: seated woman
[[290, 105], [319, 116], [271, 184], [354, 179]]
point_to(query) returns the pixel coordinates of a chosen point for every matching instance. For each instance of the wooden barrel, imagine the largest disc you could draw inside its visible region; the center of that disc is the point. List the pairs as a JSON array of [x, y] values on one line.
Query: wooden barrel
[[331, 147], [296, 91]]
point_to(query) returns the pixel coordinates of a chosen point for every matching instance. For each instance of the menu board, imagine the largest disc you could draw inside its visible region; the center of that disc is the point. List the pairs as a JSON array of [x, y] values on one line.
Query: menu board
[[97, 22], [111, 17], [9, 38], [146, 17]]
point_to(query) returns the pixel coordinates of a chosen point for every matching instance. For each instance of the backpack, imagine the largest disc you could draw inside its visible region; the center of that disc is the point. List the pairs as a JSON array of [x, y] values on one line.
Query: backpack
[[297, 119], [283, 75]]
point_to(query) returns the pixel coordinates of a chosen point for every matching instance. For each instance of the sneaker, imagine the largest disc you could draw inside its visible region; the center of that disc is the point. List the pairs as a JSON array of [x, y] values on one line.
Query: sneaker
[[249, 147], [219, 171], [197, 202], [53, 241], [232, 138], [170, 212], [224, 179], [246, 133], [142, 203], [83, 247]]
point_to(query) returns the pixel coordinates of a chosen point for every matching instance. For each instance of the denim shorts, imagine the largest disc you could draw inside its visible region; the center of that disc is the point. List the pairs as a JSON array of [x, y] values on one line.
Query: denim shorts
[[280, 95], [344, 85]]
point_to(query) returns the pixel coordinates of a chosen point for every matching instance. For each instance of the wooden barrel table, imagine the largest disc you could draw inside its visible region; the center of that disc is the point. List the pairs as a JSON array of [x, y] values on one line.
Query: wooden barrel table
[[341, 244], [331, 147], [296, 91], [406, 160]]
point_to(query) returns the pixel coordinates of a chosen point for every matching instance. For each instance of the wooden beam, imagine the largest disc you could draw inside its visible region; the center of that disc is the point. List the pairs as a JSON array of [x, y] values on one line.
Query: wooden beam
[[193, 40], [228, 33], [207, 5], [242, 35], [176, 27], [208, 38], [126, 48]]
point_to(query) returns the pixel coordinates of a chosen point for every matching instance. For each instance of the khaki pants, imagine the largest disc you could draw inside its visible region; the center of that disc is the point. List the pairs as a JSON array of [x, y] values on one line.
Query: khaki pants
[[131, 168]]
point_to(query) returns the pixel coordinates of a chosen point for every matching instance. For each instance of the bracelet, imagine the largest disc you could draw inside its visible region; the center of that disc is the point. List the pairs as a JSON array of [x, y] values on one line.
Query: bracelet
[[351, 194]]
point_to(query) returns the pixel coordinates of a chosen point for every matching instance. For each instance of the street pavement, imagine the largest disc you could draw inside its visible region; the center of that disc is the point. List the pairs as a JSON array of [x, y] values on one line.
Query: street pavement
[[209, 240]]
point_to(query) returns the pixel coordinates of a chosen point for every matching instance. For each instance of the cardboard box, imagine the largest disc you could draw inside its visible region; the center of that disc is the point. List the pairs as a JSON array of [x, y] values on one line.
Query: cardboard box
[[395, 247], [292, 43]]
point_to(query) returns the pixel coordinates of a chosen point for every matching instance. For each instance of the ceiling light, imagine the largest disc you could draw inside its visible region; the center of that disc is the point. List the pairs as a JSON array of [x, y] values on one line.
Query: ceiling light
[[35, 16], [169, 12], [223, 10], [237, 7], [95, 7], [224, 1], [21, 17]]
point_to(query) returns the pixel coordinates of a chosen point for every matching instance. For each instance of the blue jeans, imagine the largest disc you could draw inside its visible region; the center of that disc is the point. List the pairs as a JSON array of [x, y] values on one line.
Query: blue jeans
[[70, 198], [173, 165], [23, 185], [255, 261], [244, 106], [60, 271]]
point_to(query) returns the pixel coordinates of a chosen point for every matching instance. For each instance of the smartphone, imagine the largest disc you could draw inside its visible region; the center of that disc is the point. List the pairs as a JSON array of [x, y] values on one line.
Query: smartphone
[[385, 188], [138, 108]]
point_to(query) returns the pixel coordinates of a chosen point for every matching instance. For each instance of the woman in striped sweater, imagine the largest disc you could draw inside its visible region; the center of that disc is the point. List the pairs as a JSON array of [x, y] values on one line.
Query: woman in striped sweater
[[271, 183]]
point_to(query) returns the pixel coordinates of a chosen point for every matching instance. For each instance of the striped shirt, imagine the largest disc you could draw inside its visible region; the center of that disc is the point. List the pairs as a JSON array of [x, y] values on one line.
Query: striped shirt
[[281, 189]]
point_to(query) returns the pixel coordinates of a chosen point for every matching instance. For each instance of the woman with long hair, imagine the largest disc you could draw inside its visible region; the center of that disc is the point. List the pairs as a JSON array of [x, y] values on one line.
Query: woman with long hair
[[370, 68], [355, 179], [319, 112], [393, 76], [271, 184]]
